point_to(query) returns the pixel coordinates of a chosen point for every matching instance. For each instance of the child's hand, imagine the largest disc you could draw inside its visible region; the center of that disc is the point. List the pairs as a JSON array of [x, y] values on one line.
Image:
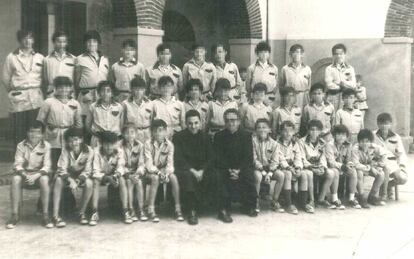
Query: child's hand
[[134, 178], [30, 179], [374, 171], [73, 185], [267, 179]]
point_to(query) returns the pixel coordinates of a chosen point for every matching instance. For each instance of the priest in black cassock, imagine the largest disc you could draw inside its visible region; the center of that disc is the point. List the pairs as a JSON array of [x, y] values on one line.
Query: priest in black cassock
[[234, 167]]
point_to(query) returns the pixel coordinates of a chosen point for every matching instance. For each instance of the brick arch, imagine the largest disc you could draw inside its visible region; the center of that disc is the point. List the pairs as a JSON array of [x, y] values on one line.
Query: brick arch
[[399, 21], [149, 15]]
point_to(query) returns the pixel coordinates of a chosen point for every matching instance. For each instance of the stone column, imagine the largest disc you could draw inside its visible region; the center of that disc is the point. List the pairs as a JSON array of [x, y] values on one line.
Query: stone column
[[242, 51], [148, 39]]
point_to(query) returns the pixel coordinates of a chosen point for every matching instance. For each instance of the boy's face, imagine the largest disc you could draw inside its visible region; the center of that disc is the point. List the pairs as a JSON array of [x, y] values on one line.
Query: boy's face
[[165, 56], [108, 148], [166, 90], [287, 133], [340, 138], [263, 55], [231, 122], [130, 134], [364, 143], [223, 94], [63, 90], [359, 83], [314, 133], [349, 101], [317, 96], [75, 143], [106, 94], [194, 93], [129, 52], [339, 56], [27, 42], [138, 92], [220, 54], [289, 99], [297, 56], [200, 54], [385, 126], [92, 45], [243, 75], [159, 134], [60, 43], [262, 130], [34, 135], [193, 124], [259, 96]]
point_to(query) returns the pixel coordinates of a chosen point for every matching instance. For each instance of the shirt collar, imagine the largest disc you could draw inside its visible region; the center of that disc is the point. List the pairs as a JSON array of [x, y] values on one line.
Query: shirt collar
[[195, 63], [319, 142], [19, 52], [41, 144], [390, 134], [122, 61], [99, 102], [340, 66], [292, 66], [260, 64]]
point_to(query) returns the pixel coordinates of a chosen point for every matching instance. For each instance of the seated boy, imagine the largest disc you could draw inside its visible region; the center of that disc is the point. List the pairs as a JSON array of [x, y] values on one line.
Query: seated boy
[[396, 162], [256, 109], [266, 161], [108, 168], [349, 116], [74, 172], [194, 101], [369, 160], [288, 110], [32, 168], [133, 152], [159, 162]]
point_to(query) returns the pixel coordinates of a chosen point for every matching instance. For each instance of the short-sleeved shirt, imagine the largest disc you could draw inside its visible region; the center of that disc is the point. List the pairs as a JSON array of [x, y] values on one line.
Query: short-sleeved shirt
[[22, 77], [205, 72], [107, 164], [155, 72], [266, 153], [56, 65], [338, 155], [324, 113], [229, 71], [251, 112], [58, 116], [297, 77], [133, 156], [172, 112], [262, 73], [335, 73], [32, 159], [281, 114], [361, 98], [140, 115], [393, 145], [201, 107], [313, 154], [159, 156], [74, 166], [216, 111], [122, 72], [106, 118], [291, 152], [350, 118], [375, 156], [93, 71]]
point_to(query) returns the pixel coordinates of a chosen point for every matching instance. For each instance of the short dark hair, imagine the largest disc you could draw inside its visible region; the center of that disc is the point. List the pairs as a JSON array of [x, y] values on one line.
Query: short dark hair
[[222, 83], [287, 124], [384, 118], [284, 91], [365, 134], [338, 46], [129, 43], [315, 123], [231, 110], [158, 124], [138, 82], [348, 92], [295, 47], [73, 132], [62, 81], [164, 80], [262, 46], [192, 113], [161, 47], [105, 83], [108, 137], [129, 125], [21, 34], [193, 82], [198, 45], [340, 129], [259, 87], [92, 35], [58, 34], [217, 45], [317, 86], [36, 125], [262, 120]]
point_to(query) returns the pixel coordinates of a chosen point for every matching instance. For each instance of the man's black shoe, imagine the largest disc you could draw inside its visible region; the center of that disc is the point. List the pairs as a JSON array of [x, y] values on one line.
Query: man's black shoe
[[252, 213], [224, 216], [193, 218]]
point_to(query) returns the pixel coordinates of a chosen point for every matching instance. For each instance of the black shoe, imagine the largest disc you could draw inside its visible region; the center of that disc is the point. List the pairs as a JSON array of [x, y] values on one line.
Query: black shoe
[[192, 218], [224, 216], [252, 213]]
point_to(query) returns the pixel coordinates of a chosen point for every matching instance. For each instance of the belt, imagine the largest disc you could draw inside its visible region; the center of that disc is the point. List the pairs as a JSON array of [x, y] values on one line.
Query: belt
[[301, 91], [392, 158], [142, 128], [333, 91], [360, 101], [123, 91], [54, 127], [20, 88]]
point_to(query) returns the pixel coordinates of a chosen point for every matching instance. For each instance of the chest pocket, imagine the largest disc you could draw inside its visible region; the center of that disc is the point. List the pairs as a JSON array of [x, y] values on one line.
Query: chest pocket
[[73, 107], [16, 97], [115, 113]]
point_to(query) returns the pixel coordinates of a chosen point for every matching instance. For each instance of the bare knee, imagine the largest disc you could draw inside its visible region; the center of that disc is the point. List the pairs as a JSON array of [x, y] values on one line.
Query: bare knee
[[44, 180], [16, 180], [279, 176], [258, 177]]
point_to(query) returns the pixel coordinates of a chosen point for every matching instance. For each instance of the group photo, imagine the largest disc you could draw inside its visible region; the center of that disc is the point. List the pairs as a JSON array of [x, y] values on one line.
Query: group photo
[[110, 122]]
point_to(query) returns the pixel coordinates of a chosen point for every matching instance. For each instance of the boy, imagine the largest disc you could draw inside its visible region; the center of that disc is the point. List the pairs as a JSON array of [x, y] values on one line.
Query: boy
[[74, 172], [287, 111], [198, 67], [263, 72], [159, 164], [396, 162], [339, 158], [126, 69], [22, 78], [133, 152], [361, 95], [108, 168], [318, 109], [349, 116], [32, 168], [167, 108], [105, 114], [297, 75], [58, 63], [226, 70], [338, 76], [256, 109], [314, 161], [91, 68], [194, 88], [242, 93], [267, 159], [369, 160], [163, 67], [57, 114], [217, 107], [138, 109], [291, 166]]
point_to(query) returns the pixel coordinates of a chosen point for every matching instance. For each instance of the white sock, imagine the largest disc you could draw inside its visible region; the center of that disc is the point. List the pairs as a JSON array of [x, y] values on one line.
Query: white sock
[[352, 196], [334, 197]]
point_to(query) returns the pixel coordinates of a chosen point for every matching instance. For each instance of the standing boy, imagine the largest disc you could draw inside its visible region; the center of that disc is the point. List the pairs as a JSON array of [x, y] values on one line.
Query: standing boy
[[287, 111], [194, 101]]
